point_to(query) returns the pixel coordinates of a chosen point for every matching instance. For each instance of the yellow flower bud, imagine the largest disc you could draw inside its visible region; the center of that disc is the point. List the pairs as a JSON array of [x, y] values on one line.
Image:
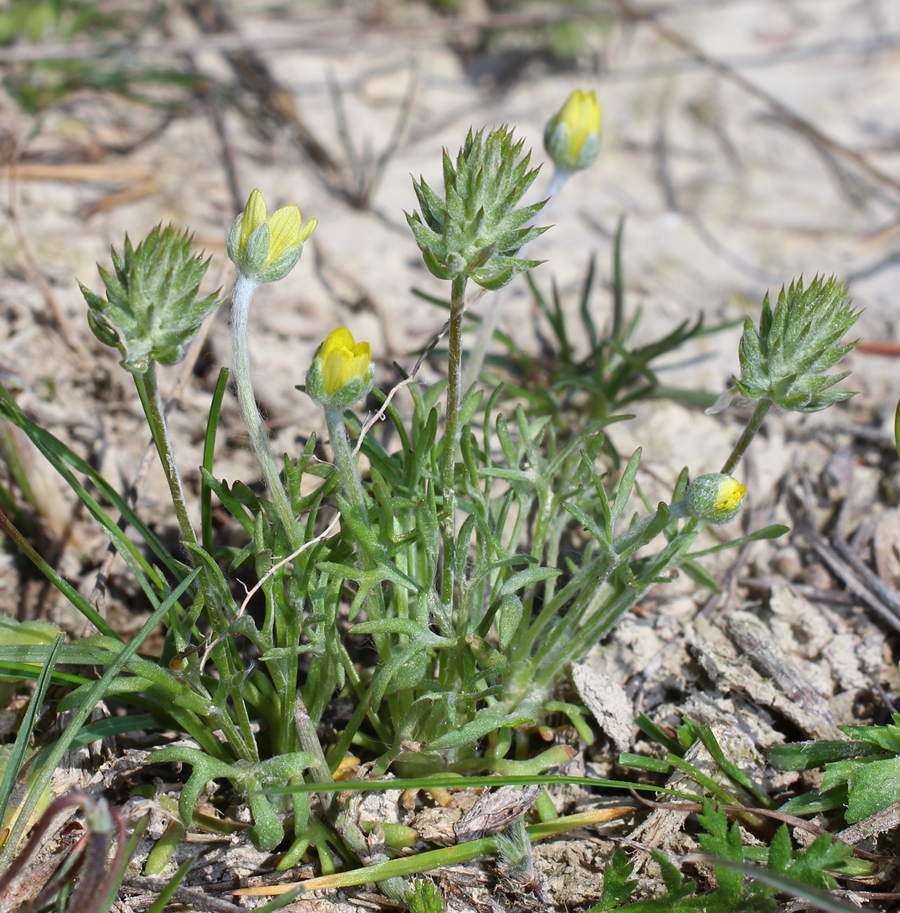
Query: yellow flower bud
[[572, 135], [266, 249], [343, 360], [342, 371], [715, 498]]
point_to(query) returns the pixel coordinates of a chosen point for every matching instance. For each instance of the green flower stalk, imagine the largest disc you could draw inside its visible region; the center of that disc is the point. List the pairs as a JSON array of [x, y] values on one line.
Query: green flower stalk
[[475, 232], [572, 136], [342, 373], [263, 250]]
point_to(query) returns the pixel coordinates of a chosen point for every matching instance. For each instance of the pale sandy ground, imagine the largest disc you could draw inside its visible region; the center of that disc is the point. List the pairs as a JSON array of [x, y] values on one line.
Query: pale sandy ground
[[726, 193]]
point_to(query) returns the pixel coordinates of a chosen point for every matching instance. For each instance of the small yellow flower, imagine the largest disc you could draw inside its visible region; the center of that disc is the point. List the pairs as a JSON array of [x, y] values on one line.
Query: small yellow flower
[[343, 360], [342, 371], [572, 135], [715, 498], [265, 249]]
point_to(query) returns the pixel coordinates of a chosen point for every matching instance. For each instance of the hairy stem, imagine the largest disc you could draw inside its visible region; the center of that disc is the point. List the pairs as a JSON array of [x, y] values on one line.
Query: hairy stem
[[451, 440], [240, 310], [454, 382], [344, 461]]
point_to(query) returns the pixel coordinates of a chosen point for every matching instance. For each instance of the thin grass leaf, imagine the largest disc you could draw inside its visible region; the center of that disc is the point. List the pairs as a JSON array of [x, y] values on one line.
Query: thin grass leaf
[[26, 728], [164, 896], [63, 585], [80, 716], [60, 457]]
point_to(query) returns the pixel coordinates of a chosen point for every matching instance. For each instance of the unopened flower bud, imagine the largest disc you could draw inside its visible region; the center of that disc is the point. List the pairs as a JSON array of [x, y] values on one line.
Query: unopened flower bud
[[572, 135], [715, 498], [342, 371], [476, 230], [151, 310], [785, 360]]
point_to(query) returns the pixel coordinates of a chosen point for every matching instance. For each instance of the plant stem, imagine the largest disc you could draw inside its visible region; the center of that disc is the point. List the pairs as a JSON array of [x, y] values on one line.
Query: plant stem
[[344, 461], [151, 401], [451, 441], [352, 489], [240, 310], [755, 423], [148, 390], [454, 384], [618, 289]]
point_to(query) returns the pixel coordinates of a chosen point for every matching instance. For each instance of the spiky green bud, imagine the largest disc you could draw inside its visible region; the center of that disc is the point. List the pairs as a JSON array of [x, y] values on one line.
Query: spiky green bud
[[151, 309], [476, 230], [787, 358]]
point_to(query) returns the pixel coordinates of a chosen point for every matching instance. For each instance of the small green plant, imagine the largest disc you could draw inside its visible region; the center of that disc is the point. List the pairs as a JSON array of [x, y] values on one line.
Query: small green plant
[[726, 791], [722, 844], [481, 555], [862, 773]]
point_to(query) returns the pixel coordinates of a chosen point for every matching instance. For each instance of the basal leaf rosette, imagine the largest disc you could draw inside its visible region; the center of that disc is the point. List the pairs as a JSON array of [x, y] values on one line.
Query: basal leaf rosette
[[476, 230]]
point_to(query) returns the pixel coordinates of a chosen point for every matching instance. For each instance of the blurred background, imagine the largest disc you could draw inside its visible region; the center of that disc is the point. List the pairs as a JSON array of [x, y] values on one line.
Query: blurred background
[[746, 142]]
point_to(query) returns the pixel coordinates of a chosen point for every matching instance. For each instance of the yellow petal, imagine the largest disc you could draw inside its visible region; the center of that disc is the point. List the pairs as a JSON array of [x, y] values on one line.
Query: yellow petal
[[284, 231], [582, 115], [335, 368], [731, 493], [254, 215], [358, 367], [341, 338], [307, 230]]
